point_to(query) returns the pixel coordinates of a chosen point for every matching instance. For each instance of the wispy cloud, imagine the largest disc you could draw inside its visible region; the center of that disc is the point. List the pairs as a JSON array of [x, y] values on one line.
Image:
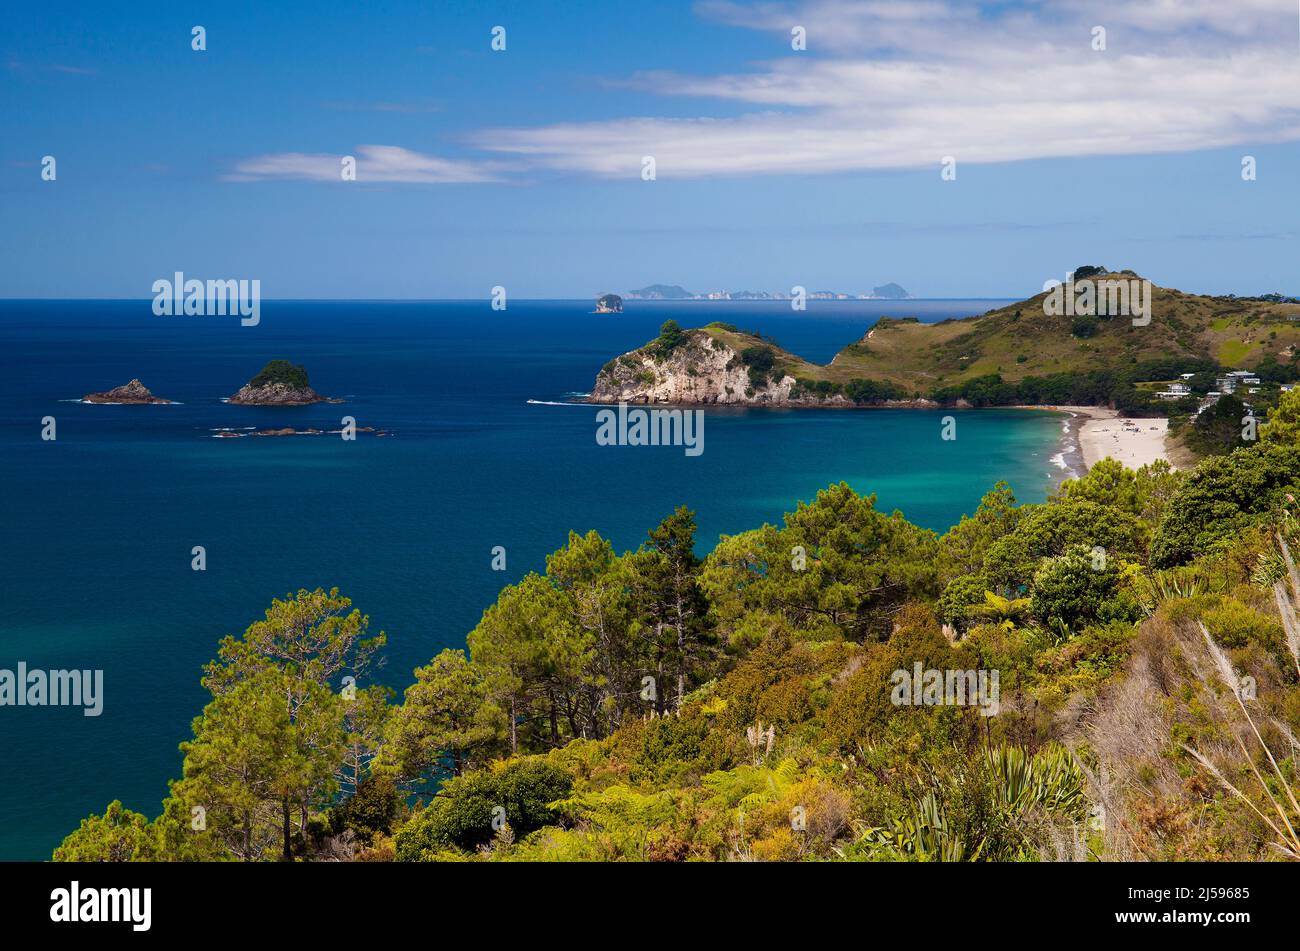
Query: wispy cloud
[[904, 83], [419, 106], [34, 70], [897, 84], [375, 163]]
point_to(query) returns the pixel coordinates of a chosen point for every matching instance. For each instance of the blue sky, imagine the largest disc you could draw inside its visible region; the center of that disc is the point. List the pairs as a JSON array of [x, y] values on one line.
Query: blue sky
[[523, 168]]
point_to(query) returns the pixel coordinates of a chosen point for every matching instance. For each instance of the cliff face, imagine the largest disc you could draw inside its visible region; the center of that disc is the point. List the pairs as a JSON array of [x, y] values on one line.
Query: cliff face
[[720, 365], [702, 369]]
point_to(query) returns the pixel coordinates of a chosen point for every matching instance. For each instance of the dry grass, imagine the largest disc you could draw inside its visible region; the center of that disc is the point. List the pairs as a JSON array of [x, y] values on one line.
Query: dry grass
[[1128, 729], [1179, 682]]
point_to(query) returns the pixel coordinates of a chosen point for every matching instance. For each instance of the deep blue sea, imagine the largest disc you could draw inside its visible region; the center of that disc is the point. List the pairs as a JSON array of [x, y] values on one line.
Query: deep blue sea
[[99, 524]]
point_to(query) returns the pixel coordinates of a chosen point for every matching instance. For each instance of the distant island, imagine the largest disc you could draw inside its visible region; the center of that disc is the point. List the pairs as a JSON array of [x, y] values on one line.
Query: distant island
[[661, 292], [131, 394], [280, 383], [675, 292], [609, 304]]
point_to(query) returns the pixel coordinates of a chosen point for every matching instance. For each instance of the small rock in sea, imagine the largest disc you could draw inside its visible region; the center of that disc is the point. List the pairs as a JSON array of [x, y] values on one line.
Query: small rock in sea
[[133, 393]]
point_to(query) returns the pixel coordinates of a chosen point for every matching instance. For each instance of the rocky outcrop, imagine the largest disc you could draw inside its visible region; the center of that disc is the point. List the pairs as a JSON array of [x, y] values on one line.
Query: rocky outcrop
[[609, 304], [278, 394], [280, 383], [700, 370], [721, 366], [290, 431], [133, 393]]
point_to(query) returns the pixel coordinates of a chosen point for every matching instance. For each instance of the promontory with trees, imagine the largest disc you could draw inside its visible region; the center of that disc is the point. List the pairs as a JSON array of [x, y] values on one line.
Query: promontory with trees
[[1014, 355]]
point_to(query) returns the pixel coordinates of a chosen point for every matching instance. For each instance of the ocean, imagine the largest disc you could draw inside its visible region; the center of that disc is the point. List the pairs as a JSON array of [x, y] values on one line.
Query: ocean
[[487, 449]]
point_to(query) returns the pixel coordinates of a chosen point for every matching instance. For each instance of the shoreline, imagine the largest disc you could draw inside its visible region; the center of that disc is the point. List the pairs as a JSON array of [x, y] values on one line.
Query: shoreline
[[1093, 433], [1088, 433]]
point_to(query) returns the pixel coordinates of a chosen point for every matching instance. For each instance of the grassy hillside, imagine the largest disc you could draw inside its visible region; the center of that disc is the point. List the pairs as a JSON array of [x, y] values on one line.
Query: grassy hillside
[[1021, 341], [1020, 354]]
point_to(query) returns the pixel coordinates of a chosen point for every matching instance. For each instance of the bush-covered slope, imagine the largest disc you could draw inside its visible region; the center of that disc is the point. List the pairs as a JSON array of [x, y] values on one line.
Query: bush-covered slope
[[1112, 674]]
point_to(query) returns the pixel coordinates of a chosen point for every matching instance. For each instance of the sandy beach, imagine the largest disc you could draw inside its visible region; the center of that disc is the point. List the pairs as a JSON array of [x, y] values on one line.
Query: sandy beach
[[1093, 433]]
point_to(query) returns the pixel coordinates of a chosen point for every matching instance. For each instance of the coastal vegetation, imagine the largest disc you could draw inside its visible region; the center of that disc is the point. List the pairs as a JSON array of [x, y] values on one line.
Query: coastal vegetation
[[281, 372], [744, 703]]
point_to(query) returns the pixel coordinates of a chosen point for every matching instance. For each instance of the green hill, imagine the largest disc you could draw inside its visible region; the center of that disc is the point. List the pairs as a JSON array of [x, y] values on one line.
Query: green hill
[[1027, 352], [1022, 340]]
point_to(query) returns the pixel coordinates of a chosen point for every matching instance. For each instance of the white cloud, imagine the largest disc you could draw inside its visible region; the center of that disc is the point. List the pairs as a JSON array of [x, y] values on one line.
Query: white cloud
[[375, 163], [1238, 18], [895, 84], [904, 83]]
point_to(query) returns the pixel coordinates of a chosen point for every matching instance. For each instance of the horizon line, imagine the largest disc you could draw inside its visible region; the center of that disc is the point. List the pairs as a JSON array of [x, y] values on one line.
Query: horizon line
[[488, 299]]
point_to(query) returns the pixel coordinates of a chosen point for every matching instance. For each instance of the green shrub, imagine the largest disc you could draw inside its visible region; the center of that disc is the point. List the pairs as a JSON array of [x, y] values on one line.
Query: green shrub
[[1072, 588], [870, 391], [1084, 327], [372, 809], [119, 835], [959, 598], [1234, 624], [462, 814], [1221, 497], [281, 371], [671, 336]]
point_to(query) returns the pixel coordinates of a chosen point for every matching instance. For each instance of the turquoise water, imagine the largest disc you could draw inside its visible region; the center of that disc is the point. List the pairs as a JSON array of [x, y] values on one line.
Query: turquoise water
[[101, 522]]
